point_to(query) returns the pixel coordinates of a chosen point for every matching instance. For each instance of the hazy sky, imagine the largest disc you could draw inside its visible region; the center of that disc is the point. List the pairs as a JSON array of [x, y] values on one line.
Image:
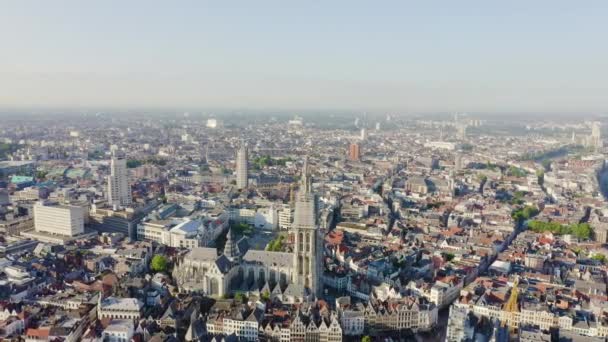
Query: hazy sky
[[496, 56]]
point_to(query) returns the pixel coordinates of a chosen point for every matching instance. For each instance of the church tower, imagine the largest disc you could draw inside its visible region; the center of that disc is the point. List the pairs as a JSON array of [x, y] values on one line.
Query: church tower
[[308, 246], [231, 250]]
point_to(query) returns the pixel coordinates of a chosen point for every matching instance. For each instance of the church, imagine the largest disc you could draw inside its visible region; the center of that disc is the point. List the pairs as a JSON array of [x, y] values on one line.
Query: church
[[290, 277]]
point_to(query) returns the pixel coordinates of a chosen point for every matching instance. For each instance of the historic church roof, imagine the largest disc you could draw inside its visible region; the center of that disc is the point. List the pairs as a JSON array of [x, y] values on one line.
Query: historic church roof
[[280, 259], [202, 254]]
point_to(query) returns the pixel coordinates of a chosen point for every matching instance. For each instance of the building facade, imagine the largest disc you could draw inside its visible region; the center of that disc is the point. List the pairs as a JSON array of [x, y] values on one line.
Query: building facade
[[308, 248], [64, 220], [119, 190], [242, 167]]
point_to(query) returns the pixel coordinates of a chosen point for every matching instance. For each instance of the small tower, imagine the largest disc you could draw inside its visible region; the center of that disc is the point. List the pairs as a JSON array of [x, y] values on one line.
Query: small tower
[[231, 250]]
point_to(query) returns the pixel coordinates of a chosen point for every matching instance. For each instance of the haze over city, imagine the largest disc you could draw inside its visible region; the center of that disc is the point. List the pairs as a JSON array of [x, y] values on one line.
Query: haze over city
[[412, 57]]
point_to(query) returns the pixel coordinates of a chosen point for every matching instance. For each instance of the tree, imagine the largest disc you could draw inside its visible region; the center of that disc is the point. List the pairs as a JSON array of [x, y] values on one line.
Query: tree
[[580, 230], [600, 257], [275, 245], [41, 174], [265, 296], [540, 174], [133, 163], [448, 256], [526, 213], [516, 172], [242, 229], [159, 263], [366, 339], [240, 297]]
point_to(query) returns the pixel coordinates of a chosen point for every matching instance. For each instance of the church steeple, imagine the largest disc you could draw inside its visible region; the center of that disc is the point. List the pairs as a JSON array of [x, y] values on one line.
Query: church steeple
[[307, 243], [306, 186], [231, 250]]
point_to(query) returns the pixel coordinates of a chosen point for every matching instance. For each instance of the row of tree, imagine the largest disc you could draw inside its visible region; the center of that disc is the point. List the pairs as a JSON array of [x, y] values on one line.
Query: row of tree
[[580, 230]]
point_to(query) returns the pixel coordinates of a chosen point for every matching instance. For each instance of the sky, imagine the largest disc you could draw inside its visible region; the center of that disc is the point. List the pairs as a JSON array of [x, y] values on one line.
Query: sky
[[401, 56]]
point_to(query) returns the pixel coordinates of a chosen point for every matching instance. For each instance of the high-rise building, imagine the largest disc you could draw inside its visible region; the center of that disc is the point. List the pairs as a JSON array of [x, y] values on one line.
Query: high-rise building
[[242, 167], [63, 220], [363, 133], [119, 190], [462, 131], [596, 134], [458, 162], [213, 123], [354, 151], [307, 243]]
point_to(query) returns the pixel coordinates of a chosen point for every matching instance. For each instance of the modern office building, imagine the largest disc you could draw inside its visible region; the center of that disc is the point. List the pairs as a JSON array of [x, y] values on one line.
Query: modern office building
[[64, 220], [242, 167], [119, 190], [59, 224], [596, 134], [354, 152]]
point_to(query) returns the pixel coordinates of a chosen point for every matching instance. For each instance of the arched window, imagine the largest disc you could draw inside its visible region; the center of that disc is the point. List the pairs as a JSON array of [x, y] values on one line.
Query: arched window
[[300, 241], [308, 242], [250, 276], [240, 275]]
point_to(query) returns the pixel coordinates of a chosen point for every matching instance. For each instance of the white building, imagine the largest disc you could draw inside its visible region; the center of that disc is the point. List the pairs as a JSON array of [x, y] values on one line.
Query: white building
[[352, 322], [65, 220], [450, 146], [243, 215], [119, 190], [183, 233], [285, 217], [213, 123], [266, 218], [119, 308], [444, 293], [12, 323], [120, 330], [363, 134]]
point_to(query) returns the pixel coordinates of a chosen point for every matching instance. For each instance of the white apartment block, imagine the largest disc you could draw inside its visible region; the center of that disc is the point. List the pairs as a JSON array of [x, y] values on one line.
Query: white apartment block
[[266, 218], [119, 190], [285, 217], [65, 220], [119, 331]]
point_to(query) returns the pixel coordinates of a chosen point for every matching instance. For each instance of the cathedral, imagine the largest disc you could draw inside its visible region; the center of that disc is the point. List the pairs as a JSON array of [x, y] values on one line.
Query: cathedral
[[290, 277]]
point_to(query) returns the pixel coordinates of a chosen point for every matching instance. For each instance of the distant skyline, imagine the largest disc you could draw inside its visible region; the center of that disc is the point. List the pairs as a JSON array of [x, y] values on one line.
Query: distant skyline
[[400, 56]]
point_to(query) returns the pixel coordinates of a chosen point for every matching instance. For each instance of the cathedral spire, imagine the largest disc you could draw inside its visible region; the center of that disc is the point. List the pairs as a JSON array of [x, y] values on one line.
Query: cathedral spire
[[306, 186]]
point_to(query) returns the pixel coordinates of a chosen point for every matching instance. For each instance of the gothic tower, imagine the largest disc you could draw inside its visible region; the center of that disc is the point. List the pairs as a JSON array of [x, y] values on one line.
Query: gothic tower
[[308, 246]]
